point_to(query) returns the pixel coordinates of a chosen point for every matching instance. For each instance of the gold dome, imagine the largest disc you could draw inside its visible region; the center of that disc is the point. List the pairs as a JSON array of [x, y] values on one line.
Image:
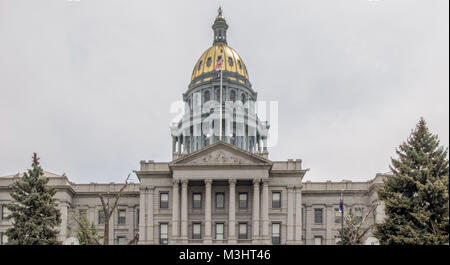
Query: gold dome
[[232, 62]]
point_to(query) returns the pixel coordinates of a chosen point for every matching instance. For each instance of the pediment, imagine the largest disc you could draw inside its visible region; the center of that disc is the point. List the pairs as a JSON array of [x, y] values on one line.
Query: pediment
[[221, 153]]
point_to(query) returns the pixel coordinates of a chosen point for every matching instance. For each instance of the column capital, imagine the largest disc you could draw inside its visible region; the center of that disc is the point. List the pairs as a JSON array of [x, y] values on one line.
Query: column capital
[[176, 181], [147, 188], [298, 186], [184, 181], [256, 181], [232, 181], [290, 187], [265, 182], [208, 181]]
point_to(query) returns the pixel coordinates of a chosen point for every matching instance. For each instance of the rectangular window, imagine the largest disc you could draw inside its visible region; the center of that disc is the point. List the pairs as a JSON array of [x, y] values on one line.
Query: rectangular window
[[243, 200], [1, 212], [101, 217], [163, 234], [318, 216], [337, 239], [317, 240], [337, 216], [358, 215], [138, 217], [219, 231], [276, 199], [120, 240], [243, 231], [122, 216], [196, 231], [220, 200], [83, 213], [197, 200], [1, 237], [164, 200], [276, 233]]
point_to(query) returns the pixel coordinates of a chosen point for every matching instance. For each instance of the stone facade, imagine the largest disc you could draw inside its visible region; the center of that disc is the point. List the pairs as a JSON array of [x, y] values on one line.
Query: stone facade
[[164, 200]]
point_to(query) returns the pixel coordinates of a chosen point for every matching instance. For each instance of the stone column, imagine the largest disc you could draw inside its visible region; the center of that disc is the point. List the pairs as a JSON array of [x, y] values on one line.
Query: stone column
[[208, 238], [265, 211], [63, 206], [232, 212], [290, 214], [142, 216], [150, 235], [298, 214], [179, 144], [329, 222], [175, 211], [174, 143], [184, 211], [309, 221], [255, 211]]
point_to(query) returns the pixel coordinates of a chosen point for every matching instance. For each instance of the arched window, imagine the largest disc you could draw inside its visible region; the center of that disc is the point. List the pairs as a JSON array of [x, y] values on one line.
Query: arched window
[[199, 65], [233, 96], [207, 96], [243, 98], [208, 62]]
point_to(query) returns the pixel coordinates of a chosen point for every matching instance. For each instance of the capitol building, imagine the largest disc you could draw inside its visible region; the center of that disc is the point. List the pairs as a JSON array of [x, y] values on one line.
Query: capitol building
[[221, 186]]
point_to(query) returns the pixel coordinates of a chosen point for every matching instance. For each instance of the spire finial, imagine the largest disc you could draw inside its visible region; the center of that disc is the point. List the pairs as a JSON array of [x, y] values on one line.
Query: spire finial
[[220, 28], [220, 12]]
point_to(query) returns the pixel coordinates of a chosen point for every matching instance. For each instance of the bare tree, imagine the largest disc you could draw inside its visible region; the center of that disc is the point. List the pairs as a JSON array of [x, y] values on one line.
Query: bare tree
[[354, 229], [108, 212]]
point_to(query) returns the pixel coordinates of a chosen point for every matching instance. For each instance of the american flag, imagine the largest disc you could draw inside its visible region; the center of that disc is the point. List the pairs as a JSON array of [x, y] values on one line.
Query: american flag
[[219, 65], [341, 204]]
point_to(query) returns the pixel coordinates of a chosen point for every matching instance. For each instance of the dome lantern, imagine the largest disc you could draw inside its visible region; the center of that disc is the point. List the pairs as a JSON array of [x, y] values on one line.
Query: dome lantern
[[220, 29]]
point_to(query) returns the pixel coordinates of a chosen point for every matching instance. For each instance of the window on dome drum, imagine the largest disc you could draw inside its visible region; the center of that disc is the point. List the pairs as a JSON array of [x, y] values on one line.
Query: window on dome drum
[[207, 96], [276, 199], [199, 65], [318, 216], [276, 233], [317, 240], [208, 62], [219, 231], [243, 200], [101, 217], [239, 64], [197, 200], [243, 98], [122, 214], [196, 231], [337, 216], [242, 230], [233, 96], [220, 199], [164, 200], [230, 61], [163, 234]]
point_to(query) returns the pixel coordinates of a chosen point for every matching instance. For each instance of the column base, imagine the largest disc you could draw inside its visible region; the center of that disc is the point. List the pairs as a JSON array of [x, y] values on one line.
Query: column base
[[207, 240], [232, 241]]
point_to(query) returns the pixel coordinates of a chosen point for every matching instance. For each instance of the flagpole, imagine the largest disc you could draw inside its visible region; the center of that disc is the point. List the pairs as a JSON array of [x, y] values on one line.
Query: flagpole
[[342, 214], [221, 73]]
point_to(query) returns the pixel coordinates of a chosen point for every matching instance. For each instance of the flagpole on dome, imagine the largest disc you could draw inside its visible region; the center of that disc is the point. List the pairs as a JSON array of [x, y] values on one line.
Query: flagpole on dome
[[341, 209]]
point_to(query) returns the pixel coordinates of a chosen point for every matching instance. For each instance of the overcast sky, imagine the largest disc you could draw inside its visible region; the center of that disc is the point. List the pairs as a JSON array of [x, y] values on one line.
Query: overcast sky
[[88, 84]]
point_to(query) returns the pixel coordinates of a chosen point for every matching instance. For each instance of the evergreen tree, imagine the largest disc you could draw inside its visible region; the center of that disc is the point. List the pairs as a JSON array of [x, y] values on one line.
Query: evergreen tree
[[33, 211], [416, 196]]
